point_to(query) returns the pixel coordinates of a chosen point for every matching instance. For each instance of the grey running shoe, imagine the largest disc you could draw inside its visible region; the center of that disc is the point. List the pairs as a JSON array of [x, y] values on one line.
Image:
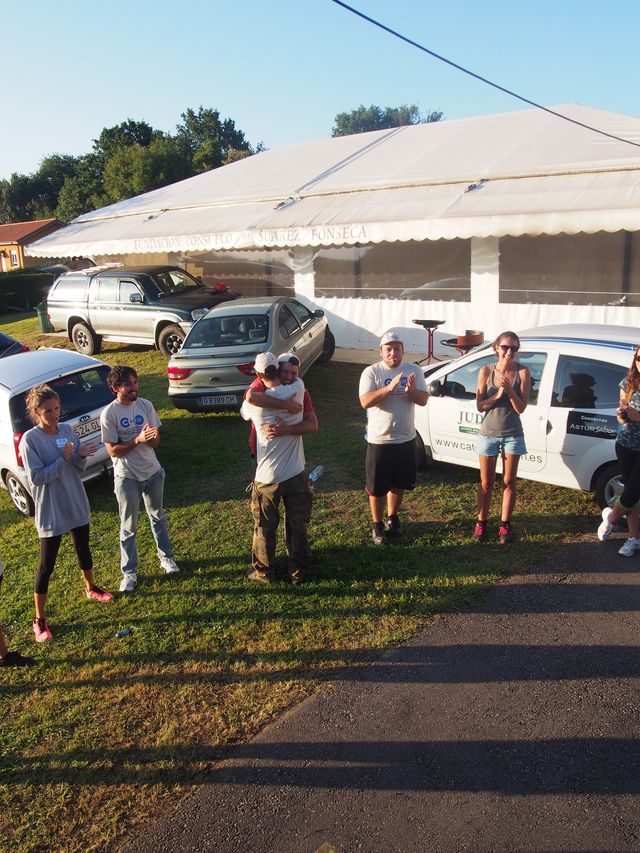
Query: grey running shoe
[[393, 526], [129, 582], [606, 528], [377, 533], [630, 547]]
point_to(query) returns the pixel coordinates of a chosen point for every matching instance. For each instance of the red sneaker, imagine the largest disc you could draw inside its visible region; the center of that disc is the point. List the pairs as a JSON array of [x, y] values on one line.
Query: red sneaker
[[480, 532], [505, 533], [41, 630], [99, 594]]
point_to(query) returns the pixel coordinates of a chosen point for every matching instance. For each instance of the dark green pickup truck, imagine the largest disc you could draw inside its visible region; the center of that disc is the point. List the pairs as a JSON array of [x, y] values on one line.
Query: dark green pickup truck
[[154, 305]]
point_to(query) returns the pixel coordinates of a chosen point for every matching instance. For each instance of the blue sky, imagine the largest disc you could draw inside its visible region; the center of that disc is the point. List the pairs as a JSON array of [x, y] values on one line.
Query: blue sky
[[283, 69]]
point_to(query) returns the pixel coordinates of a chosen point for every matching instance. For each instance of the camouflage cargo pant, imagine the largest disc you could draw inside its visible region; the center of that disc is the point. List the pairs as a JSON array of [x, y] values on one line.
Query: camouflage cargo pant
[[265, 501]]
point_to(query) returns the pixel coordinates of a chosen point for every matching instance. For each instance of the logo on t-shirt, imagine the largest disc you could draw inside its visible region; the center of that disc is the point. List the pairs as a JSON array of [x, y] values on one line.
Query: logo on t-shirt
[[403, 381], [125, 422]]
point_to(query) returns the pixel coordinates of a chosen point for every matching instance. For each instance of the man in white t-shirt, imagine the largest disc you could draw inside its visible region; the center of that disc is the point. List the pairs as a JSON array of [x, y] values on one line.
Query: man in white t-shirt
[[130, 432], [280, 474], [389, 391]]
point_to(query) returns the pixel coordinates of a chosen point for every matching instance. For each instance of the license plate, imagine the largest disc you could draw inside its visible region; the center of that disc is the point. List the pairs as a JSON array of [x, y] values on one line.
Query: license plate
[[219, 400], [81, 430]]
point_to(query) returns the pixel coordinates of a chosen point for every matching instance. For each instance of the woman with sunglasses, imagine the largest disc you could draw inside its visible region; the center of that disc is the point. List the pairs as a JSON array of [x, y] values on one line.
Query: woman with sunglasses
[[628, 453], [502, 394]]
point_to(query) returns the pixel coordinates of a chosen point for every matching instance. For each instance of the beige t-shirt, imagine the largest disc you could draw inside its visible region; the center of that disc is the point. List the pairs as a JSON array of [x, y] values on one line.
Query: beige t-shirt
[[121, 424], [393, 420], [282, 457]]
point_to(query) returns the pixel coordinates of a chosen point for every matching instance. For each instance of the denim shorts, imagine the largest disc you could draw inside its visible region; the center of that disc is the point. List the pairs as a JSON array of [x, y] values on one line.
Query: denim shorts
[[493, 445]]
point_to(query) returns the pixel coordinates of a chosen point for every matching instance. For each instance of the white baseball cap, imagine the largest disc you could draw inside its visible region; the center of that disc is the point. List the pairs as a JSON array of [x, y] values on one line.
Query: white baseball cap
[[390, 337], [264, 360], [287, 356]]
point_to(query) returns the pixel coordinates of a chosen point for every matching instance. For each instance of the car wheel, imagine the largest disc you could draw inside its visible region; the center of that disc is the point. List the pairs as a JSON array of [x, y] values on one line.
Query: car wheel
[[608, 485], [329, 347], [84, 340], [170, 340], [20, 497], [423, 454]]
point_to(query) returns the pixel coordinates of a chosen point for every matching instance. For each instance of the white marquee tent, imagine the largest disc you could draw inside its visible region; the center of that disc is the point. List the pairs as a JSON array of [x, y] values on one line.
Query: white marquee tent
[[520, 173]]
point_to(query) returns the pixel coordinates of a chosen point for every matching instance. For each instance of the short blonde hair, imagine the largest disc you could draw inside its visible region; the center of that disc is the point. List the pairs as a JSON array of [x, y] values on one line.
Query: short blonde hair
[[36, 397]]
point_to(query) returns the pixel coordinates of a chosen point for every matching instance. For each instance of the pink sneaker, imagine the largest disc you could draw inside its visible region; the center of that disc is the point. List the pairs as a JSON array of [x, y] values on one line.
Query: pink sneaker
[[99, 594], [41, 630]]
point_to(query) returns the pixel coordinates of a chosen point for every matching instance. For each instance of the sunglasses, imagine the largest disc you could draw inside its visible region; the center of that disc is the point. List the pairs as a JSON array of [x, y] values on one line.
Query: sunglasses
[[512, 347], [292, 360]]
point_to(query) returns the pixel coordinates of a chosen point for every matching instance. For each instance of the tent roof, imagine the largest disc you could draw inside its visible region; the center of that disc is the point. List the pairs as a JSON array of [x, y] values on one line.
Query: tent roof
[[524, 172]]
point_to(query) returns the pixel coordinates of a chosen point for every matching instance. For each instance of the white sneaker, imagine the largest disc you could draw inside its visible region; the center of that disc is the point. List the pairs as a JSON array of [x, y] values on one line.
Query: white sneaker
[[169, 565], [129, 583], [630, 547], [606, 529]]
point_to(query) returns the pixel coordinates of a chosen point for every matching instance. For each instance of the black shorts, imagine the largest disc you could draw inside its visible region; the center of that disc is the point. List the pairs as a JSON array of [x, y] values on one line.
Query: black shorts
[[390, 466]]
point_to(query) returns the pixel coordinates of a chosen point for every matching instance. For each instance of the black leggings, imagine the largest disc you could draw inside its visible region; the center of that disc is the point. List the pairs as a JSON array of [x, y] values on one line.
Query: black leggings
[[49, 547], [630, 463]]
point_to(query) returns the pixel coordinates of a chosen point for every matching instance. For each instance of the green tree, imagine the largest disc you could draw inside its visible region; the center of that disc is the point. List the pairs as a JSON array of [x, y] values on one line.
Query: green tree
[[18, 198], [209, 141], [122, 135], [82, 191], [365, 119], [134, 169], [48, 182]]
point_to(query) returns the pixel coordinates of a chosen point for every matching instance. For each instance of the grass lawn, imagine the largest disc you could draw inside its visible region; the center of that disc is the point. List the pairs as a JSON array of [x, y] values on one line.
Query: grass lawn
[[105, 733]]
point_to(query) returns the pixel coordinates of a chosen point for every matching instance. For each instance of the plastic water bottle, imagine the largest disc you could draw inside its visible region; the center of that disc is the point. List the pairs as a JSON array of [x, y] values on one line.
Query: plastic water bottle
[[123, 633], [315, 475]]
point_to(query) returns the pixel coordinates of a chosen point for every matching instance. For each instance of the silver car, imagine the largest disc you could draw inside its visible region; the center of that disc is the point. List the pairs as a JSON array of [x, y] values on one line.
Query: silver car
[[215, 365], [80, 381]]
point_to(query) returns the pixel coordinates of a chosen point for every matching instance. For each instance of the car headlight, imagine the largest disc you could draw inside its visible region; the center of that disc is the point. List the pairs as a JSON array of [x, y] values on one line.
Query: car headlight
[[198, 314]]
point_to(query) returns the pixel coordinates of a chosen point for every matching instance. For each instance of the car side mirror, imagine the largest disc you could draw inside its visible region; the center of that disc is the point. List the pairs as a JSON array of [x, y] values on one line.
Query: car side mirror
[[135, 298], [435, 388], [318, 312]]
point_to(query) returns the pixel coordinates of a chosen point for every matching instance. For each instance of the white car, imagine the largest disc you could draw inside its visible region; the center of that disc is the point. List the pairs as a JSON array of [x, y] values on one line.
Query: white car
[[80, 381], [570, 424]]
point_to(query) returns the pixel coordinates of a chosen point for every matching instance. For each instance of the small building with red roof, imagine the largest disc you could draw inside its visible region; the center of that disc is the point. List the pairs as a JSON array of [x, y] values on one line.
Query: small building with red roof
[[15, 235]]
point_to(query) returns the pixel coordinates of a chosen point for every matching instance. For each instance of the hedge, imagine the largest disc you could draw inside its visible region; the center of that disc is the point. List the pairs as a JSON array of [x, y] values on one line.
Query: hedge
[[23, 289]]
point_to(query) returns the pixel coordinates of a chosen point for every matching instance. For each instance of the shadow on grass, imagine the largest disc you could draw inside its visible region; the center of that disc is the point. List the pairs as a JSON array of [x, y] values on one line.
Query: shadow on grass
[[410, 664], [577, 766]]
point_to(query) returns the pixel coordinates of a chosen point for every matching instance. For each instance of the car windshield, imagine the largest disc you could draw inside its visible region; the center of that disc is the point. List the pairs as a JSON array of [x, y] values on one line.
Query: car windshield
[[80, 393], [228, 331], [6, 342], [172, 281]]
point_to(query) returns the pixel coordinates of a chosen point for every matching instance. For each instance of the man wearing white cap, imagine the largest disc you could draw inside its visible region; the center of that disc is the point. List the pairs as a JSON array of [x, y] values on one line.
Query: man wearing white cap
[[288, 370], [389, 391], [279, 474]]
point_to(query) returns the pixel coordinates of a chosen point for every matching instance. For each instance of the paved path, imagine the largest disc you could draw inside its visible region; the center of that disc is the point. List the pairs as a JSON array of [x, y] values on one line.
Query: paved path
[[514, 727]]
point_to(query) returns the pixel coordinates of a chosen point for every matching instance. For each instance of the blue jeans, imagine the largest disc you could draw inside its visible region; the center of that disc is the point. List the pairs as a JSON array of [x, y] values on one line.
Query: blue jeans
[[493, 445], [128, 494]]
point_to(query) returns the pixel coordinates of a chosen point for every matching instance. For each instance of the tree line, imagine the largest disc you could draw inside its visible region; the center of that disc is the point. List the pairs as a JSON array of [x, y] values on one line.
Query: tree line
[[132, 158]]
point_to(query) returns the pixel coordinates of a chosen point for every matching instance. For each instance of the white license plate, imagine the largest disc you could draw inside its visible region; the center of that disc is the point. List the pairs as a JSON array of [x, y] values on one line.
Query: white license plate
[[87, 428], [219, 400]]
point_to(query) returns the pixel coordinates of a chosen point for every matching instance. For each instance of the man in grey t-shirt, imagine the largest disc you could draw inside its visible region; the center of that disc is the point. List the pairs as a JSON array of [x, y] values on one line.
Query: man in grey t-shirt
[[130, 432], [389, 391]]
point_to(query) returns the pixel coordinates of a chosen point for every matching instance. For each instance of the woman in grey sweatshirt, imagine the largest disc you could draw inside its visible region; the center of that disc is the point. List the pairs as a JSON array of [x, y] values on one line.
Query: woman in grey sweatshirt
[[53, 455]]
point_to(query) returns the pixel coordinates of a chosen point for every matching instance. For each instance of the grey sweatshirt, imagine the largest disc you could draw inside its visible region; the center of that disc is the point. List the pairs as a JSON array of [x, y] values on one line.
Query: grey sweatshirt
[[58, 493]]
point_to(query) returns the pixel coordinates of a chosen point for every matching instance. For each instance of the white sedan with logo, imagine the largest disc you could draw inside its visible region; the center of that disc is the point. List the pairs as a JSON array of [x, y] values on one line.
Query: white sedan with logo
[[570, 423]]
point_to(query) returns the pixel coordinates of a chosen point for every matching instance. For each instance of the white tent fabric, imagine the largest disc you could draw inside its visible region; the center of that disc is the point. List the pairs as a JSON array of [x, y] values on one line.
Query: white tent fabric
[[515, 173]]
